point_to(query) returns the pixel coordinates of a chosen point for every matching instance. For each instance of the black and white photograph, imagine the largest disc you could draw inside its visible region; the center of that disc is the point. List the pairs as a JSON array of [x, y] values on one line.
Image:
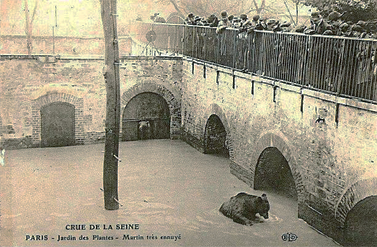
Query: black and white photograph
[[188, 123]]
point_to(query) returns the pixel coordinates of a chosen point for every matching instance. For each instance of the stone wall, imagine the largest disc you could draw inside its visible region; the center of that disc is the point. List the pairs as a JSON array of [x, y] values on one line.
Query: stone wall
[[74, 46], [328, 142], [30, 82], [159, 75]]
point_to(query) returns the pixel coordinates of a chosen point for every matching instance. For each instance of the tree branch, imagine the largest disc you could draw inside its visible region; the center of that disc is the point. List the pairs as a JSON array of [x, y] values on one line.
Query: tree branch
[[177, 8], [289, 12], [256, 5]]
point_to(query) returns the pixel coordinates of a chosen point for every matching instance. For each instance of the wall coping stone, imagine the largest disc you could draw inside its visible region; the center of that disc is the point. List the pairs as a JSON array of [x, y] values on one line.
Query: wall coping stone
[[160, 57], [306, 91]]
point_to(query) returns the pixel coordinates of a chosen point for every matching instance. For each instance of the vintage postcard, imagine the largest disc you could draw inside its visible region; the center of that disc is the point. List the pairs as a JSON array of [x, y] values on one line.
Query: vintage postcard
[[187, 123]]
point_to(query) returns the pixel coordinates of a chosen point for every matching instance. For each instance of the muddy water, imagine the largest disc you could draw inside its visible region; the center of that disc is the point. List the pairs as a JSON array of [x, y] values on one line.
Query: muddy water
[[170, 195]]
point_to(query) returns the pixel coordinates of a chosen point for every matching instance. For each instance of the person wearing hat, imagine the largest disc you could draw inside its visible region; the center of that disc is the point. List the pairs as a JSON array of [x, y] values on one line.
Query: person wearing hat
[[236, 22], [213, 21], [345, 29], [300, 28], [197, 20], [318, 24], [224, 15], [231, 19], [271, 24], [224, 23], [190, 20], [245, 23], [259, 23], [286, 26]]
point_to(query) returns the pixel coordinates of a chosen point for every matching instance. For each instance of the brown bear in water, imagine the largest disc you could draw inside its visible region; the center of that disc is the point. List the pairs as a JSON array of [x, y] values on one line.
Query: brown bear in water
[[243, 207]]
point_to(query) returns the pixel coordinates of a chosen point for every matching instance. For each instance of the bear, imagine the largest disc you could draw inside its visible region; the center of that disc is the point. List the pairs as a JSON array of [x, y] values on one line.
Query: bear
[[144, 129], [243, 207]]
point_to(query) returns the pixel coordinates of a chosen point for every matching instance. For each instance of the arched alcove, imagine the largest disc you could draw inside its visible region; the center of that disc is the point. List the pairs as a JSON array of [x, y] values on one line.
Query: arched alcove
[[360, 228], [280, 146], [146, 116], [57, 124], [215, 137], [273, 173], [219, 136], [59, 101], [172, 100]]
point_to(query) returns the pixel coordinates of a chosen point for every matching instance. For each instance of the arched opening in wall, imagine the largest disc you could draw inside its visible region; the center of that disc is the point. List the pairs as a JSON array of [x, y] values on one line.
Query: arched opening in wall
[[57, 124], [146, 116], [361, 223], [215, 137], [273, 173]]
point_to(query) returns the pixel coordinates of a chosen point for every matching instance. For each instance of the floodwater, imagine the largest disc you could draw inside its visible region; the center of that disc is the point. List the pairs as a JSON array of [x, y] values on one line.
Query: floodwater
[[169, 194]]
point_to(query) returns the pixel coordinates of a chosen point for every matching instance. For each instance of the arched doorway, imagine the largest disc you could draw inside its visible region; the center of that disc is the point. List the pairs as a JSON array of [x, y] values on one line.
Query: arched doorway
[[57, 124], [215, 137], [146, 116], [273, 173], [361, 223]]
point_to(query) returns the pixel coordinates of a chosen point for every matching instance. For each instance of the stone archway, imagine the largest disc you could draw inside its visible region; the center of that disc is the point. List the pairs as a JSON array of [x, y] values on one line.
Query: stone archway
[[278, 145], [216, 127], [273, 173], [352, 195], [215, 137], [53, 97], [146, 116], [172, 100], [360, 227]]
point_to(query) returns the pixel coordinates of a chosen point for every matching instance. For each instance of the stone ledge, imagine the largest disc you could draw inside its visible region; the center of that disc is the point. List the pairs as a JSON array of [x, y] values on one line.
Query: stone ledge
[[241, 173], [344, 101], [161, 57], [321, 224]]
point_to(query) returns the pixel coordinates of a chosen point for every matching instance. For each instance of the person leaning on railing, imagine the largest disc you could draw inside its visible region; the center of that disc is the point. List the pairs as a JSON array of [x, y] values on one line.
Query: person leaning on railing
[[331, 24], [334, 25], [213, 21], [224, 23]]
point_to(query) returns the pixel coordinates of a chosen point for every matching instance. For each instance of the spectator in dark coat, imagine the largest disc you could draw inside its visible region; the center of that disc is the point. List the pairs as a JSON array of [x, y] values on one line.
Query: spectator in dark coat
[[224, 23]]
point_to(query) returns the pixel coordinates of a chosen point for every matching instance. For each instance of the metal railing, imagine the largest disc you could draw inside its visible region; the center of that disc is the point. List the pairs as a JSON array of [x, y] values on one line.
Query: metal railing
[[338, 65]]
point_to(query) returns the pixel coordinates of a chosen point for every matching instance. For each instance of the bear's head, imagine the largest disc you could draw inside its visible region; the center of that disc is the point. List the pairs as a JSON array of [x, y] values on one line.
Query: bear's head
[[263, 206]]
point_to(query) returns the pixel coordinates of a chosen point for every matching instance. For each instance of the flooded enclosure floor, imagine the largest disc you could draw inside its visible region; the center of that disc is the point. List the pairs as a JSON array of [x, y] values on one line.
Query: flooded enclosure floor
[[170, 195]]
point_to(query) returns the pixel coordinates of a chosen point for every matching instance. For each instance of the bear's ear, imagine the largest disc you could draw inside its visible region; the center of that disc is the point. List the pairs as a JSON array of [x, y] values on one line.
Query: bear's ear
[[264, 197], [259, 200]]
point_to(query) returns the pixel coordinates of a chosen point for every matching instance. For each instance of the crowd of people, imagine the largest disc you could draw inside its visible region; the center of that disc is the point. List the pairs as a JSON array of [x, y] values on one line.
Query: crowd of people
[[331, 25]]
